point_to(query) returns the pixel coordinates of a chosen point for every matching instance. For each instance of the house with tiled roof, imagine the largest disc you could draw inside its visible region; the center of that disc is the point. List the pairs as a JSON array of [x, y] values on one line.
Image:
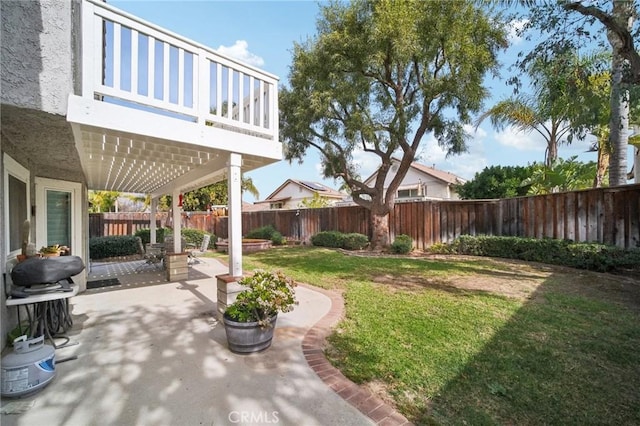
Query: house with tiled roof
[[422, 183], [292, 193]]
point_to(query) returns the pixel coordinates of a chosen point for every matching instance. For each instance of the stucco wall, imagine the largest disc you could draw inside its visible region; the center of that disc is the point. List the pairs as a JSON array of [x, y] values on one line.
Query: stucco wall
[[37, 53], [39, 68]]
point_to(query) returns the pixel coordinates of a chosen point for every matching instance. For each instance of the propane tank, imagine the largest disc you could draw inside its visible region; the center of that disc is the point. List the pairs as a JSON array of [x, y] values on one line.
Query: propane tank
[[30, 367]]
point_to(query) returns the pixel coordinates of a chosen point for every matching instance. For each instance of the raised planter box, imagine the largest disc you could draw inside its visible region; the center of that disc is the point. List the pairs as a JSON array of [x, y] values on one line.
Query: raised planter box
[[248, 245]]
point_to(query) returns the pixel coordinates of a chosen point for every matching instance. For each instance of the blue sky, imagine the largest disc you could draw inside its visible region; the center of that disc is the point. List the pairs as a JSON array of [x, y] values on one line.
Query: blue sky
[[262, 33]]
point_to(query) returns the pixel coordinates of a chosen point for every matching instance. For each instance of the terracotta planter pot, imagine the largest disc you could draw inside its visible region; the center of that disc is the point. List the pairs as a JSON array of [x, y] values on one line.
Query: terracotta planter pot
[[248, 337]]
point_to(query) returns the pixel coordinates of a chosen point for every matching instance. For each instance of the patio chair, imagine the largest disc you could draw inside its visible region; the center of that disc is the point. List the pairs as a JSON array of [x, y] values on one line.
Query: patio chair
[[153, 254], [194, 253]]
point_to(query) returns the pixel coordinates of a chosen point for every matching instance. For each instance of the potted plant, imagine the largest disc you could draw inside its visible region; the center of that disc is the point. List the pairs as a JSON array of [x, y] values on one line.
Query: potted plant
[[50, 251], [249, 321]]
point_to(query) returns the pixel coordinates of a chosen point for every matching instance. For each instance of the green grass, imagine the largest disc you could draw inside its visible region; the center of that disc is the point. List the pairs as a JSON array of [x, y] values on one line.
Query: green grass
[[446, 355], [328, 268]]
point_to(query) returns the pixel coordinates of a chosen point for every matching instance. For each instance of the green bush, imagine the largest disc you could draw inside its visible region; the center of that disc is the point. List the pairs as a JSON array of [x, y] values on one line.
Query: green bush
[[328, 239], [145, 234], [267, 232], [591, 256], [117, 245], [354, 241], [403, 244], [195, 236], [335, 239], [277, 239]]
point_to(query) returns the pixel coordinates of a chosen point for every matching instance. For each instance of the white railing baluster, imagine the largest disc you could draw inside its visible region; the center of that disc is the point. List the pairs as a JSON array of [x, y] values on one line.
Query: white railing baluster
[[229, 93], [117, 63], [201, 89], [252, 107], [273, 101], [240, 97], [89, 40], [219, 89], [261, 105]]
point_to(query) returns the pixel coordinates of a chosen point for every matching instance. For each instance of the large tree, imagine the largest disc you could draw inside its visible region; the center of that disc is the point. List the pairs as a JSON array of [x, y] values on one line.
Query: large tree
[[378, 77]]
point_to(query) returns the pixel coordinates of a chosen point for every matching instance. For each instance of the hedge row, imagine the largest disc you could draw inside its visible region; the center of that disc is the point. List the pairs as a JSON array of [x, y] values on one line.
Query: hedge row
[[126, 245], [591, 256], [335, 239]]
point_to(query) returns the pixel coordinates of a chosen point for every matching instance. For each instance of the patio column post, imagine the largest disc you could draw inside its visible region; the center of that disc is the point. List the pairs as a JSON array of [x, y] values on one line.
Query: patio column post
[[177, 222], [228, 287], [152, 220], [234, 182]]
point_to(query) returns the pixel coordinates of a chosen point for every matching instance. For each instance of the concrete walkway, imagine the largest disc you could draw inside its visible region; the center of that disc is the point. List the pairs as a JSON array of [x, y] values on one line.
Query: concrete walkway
[[153, 353]]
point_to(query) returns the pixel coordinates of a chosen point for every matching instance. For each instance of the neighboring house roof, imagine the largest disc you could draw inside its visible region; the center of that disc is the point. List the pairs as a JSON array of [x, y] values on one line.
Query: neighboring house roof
[[255, 207], [446, 177], [315, 187], [439, 174]]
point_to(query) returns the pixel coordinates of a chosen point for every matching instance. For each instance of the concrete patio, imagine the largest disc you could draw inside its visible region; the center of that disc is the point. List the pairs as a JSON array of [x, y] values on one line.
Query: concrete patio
[[151, 352]]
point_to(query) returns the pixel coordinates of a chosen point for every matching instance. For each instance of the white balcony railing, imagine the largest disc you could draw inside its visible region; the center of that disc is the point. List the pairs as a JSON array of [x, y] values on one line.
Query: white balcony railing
[[134, 63]]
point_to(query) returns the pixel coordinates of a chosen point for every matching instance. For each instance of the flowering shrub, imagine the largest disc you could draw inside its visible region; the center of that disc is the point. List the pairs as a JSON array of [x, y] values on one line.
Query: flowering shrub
[[267, 294]]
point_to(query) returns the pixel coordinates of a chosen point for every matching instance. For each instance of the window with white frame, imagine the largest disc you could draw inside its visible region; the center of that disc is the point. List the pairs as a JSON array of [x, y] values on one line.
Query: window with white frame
[[16, 203], [276, 206], [407, 193]]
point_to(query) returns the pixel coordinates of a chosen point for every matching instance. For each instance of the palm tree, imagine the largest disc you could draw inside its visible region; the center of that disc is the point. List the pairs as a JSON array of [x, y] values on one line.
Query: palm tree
[[248, 186], [527, 114]]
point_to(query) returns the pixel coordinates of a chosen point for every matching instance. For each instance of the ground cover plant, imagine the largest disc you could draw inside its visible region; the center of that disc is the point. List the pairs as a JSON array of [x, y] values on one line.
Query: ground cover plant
[[460, 339]]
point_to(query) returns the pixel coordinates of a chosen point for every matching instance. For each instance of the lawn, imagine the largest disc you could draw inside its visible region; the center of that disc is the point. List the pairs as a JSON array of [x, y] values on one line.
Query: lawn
[[461, 340]]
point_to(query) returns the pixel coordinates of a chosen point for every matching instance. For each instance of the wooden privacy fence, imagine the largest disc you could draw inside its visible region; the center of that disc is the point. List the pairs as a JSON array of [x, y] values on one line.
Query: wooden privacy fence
[[604, 215], [106, 224]]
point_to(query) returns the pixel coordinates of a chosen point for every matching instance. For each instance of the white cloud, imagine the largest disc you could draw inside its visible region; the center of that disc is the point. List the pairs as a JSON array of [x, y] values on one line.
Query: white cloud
[[475, 133], [523, 141], [365, 162], [431, 153], [513, 30], [240, 51], [464, 165]]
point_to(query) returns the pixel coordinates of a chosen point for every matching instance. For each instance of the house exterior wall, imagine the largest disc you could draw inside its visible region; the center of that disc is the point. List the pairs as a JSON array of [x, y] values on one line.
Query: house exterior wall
[[297, 194], [435, 188], [39, 69], [38, 53]]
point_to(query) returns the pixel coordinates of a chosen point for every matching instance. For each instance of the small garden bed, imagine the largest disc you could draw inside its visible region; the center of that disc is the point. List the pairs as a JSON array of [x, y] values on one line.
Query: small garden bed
[[249, 245]]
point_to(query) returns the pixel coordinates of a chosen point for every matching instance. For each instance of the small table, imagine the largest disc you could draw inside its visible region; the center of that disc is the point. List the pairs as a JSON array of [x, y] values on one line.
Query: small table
[[43, 298]]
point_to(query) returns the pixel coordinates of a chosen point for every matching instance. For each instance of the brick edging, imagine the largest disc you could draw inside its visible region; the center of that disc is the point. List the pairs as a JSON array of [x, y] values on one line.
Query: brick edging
[[312, 348]]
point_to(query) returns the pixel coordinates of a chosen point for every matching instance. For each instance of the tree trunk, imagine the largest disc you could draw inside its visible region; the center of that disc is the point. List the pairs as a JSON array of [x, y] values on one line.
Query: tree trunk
[[619, 120], [379, 230], [636, 165], [604, 155], [552, 147]]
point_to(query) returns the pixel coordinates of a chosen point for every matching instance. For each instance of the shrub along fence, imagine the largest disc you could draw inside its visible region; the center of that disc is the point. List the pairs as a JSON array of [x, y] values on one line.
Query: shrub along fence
[[603, 215]]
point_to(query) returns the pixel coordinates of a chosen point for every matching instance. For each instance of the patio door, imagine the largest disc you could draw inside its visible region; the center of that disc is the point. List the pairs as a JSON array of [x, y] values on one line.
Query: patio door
[[59, 214]]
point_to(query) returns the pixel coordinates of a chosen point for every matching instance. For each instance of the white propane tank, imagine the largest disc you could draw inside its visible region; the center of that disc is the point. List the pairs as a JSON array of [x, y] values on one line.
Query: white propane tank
[[30, 367]]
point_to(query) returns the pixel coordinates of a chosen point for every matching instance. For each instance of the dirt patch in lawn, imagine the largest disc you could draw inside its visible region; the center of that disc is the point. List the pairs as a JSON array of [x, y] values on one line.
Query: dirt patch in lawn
[[523, 280]]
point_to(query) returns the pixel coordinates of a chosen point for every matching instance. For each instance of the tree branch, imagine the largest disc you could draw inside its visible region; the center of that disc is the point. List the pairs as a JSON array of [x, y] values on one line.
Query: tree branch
[[627, 50]]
